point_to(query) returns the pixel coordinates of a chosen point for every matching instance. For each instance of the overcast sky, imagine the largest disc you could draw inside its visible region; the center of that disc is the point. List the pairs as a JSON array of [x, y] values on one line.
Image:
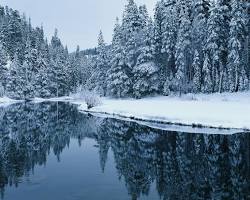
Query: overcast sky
[[78, 21]]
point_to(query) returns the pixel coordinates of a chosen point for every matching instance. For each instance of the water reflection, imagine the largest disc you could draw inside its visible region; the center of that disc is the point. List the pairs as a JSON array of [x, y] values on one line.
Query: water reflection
[[179, 165]]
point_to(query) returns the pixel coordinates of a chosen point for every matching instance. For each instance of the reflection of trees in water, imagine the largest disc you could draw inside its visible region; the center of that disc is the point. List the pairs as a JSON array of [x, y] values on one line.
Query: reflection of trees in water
[[29, 132], [183, 166]]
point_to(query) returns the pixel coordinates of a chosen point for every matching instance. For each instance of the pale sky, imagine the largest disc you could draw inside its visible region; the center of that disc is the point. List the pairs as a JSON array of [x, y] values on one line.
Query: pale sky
[[78, 21]]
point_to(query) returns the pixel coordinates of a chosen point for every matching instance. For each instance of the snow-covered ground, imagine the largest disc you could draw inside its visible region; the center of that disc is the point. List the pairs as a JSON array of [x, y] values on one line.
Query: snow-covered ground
[[212, 111], [5, 101], [216, 110]]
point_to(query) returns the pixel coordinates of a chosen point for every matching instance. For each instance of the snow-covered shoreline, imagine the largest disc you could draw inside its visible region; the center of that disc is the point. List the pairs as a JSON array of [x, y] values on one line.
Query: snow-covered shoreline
[[5, 101], [223, 111], [189, 113]]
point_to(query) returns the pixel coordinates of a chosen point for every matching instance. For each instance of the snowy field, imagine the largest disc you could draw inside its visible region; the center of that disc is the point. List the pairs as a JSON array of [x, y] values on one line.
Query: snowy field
[[216, 110]]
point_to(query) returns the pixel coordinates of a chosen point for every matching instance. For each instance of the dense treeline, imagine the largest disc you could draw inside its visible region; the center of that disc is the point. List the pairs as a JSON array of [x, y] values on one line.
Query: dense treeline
[[189, 46], [179, 165], [30, 65]]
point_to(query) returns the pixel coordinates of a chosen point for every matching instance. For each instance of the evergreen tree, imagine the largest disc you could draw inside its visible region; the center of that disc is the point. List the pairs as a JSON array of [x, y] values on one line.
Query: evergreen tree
[[207, 86], [16, 80], [12, 32], [146, 71], [119, 83], [3, 66], [58, 73], [169, 35], [130, 29], [102, 66], [159, 30], [75, 70], [213, 44], [236, 71], [183, 49], [30, 65], [197, 72], [200, 14]]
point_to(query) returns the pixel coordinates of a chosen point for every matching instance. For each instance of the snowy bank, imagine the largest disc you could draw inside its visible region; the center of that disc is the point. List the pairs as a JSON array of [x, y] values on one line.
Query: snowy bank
[[5, 101], [213, 111]]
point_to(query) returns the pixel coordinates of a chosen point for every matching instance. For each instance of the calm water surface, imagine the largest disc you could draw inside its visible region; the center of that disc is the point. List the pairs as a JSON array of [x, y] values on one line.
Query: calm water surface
[[50, 151]]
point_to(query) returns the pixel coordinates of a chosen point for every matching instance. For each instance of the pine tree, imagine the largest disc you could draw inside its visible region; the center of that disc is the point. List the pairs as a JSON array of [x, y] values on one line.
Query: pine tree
[[197, 72], [207, 86], [169, 36], [146, 71], [58, 72], [12, 31], [236, 71], [118, 82], [183, 49], [200, 14], [143, 16], [75, 77], [102, 66], [130, 28], [30, 65], [159, 31], [16, 80], [218, 24], [3, 66], [41, 77], [213, 44], [247, 39]]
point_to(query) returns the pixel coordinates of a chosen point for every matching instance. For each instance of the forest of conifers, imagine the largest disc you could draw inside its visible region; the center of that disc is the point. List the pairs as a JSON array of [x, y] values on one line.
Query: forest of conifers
[[198, 46]]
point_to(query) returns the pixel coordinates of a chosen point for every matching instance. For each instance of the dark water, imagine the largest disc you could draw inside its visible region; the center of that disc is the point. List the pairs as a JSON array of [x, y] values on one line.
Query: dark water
[[50, 151]]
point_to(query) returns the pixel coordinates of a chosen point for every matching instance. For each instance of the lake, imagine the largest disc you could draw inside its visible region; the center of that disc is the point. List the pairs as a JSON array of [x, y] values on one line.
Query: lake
[[51, 151]]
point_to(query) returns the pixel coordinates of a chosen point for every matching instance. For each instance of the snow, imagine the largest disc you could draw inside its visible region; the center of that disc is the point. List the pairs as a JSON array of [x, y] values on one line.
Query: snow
[[55, 99], [5, 101], [8, 64], [228, 112], [216, 110]]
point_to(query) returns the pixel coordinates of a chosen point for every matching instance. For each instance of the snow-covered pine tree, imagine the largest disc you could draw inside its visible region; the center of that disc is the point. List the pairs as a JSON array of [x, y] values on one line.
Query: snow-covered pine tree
[[41, 77], [213, 44], [236, 70], [224, 12], [218, 23], [169, 36], [12, 31], [16, 80], [102, 66], [143, 16], [146, 77], [197, 72], [207, 86], [247, 38], [30, 65], [200, 14], [58, 68], [159, 28], [75, 69], [130, 29], [118, 82], [3, 66], [183, 48]]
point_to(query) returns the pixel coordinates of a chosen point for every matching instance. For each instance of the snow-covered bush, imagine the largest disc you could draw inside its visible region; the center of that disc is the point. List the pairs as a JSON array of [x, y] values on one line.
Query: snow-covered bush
[[90, 97]]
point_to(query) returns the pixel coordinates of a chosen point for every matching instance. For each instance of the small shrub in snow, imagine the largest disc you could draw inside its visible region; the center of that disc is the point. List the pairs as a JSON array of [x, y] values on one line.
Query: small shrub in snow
[[90, 98]]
